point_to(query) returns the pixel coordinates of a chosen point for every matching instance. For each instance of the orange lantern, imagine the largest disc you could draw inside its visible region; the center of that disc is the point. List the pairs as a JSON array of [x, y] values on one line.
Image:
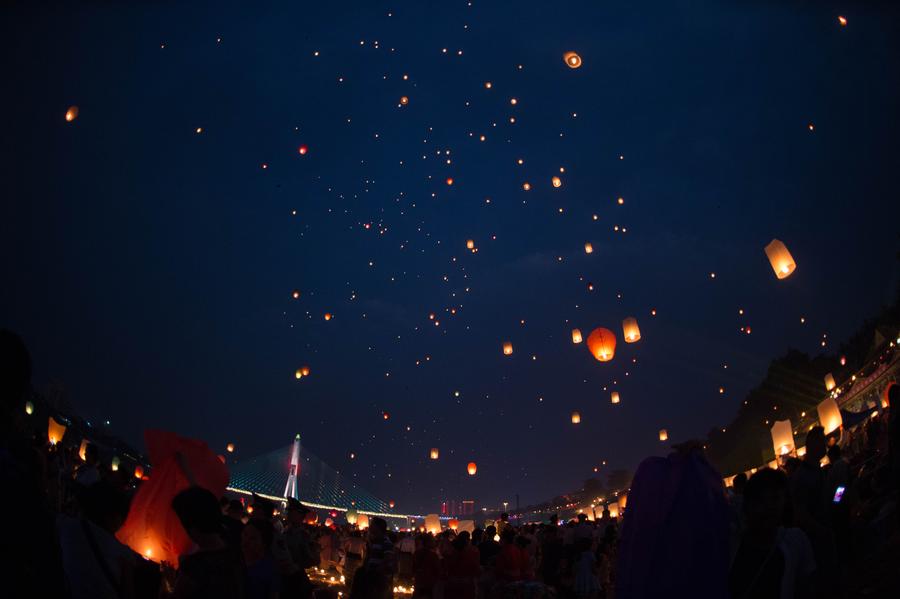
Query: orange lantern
[[573, 60], [362, 521], [507, 349], [385, 415], [391, 504], [453, 524], [295, 294], [82, 450], [230, 448], [526, 186], [829, 382], [305, 371], [71, 114], [576, 336], [328, 316], [139, 471], [830, 415], [298, 374], [404, 100], [780, 258], [663, 435], [472, 468], [615, 397], [556, 181], [588, 248], [783, 437], [55, 431], [434, 453], [602, 344], [576, 418], [630, 330], [449, 180], [470, 244]]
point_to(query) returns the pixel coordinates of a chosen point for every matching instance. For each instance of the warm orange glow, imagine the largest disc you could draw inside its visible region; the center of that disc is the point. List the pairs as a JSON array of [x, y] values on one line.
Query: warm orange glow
[[295, 294], [472, 468], [507, 349], [573, 61], [830, 415], [843, 21], [404, 100], [449, 180], [602, 344], [780, 258], [453, 524], [588, 248], [230, 448], [663, 435], [385, 415], [614, 397], [576, 336], [556, 181], [71, 114], [55, 431], [139, 471], [576, 418], [362, 521], [302, 150], [782, 437], [305, 371], [829, 382], [470, 244], [391, 504], [298, 374], [328, 316], [630, 330], [526, 186], [434, 454], [82, 449]]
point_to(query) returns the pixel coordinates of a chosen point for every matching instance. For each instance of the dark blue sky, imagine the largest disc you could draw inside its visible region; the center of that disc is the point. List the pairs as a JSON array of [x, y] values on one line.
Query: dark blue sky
[[150, 268]]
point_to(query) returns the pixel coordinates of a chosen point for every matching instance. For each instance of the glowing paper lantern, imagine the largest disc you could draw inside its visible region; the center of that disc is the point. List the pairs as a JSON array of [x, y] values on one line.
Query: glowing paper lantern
[[780, 258], [829, 382], [783, 437], [507, 349], [466, 525], [630, 330], [295, 294], [613, 510], [302, 150], [29, 408], [298, 374], [842, 20], [623, 501], [352, 516], [230, 448], [55, 431], [329, 522], [433, 524], [139, 472], [391, 504], [830, 415], [573, 61], [82, 449], [472, 468], [434, 454], [328, 316], [576, 418], [556, 181], [614, 397], [362, 521], [449, 180], [588, 248], [602, 344], [663, 435], [71, 114], [453, 524], [576, 336], [114, 465], [404, 100], [470, 244], [385, 415], [305, 371]]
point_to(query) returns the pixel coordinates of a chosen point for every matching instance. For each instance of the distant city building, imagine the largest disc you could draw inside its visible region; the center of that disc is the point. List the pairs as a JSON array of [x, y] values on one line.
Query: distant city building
[[452, 507]]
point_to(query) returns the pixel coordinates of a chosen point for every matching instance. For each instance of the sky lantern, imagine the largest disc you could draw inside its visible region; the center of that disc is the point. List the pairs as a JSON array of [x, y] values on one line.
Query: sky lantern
[[630, 330], [663, 435], [362, 521], [29, 408], [230, 448], [434, 453], [71, 114], [472, 468], [829, 382], [328, 316], [602, 344], [391, 504], [305, 371], [507, 348], [588, 248], [139, 472], [830, 415], [453, 524], [55, 431], [449, 180], [780, 258], [573, 61], [114, 465], [526, 186], [404, 100], [82, 449], [433, 524], [614, 397], [385, 415], [295, 294], [842, 20], [352, 515], [302, 150], [470, 244], [556, 181], [298, 374], [576, 336], [783, 438], [576, 418]]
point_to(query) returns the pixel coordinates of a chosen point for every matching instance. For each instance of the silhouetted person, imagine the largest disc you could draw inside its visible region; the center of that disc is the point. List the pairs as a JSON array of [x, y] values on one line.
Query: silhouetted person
[[33, 562], [214, 568]]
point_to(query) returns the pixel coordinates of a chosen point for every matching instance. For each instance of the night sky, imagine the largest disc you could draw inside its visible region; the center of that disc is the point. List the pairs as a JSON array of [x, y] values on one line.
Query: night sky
[[150, 268]]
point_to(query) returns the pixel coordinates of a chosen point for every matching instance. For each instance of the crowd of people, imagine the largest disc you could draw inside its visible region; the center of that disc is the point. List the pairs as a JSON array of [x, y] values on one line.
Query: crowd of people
[[801, 530]]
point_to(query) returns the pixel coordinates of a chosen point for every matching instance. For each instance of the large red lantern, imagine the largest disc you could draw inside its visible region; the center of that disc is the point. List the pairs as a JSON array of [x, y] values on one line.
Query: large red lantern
[[602, 343], [472, 468]]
